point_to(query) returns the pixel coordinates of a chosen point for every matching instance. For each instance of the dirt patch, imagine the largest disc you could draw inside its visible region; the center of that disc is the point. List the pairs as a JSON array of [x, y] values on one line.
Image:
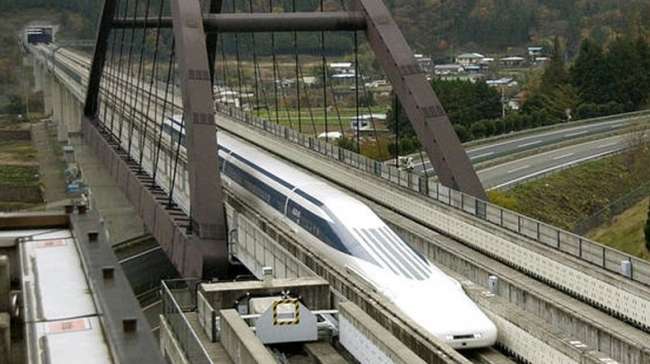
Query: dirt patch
[[14, 134], [25, 194], [19, 174], [17, 153]]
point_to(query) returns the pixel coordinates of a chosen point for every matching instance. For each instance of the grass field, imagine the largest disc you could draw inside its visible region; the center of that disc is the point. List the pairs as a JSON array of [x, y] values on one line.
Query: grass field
[[625, 231], [19, 175], [563, 198], [335, 121]]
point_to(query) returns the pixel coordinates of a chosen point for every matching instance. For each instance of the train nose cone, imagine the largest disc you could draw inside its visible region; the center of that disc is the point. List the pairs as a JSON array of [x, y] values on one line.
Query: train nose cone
[[447, 313]]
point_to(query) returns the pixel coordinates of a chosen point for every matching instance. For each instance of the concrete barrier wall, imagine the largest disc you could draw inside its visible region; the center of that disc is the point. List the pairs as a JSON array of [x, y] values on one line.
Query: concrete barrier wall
[[240, 343], [368, 341]]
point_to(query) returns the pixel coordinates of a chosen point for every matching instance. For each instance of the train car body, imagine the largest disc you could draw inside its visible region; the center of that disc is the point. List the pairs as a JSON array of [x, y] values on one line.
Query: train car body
[[350, 234]]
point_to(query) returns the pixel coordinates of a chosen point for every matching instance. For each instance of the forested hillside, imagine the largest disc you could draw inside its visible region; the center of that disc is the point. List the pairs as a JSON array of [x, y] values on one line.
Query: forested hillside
[[442, 26], [445, 26]]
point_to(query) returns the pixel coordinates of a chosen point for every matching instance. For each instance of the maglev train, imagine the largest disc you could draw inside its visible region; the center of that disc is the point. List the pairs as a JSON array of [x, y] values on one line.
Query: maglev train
[[350, 234]]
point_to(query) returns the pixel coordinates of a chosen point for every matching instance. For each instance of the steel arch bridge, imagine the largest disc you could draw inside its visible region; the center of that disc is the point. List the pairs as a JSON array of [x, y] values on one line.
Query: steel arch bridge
[[135, 38]]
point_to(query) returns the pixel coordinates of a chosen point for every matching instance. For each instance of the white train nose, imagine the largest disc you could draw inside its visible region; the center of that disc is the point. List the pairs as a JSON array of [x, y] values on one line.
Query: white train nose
[[447, 313]]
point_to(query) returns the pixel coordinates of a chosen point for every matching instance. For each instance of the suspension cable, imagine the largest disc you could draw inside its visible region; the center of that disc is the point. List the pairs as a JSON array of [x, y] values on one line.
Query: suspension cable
[[356, 90], [307, 100], [238, 56], [139, 80], [324, 71], [128, 76], [110, 70], [117, 81], [164, 107], [295, 50], [396, 121], [154, 75], [275, 71], [170, 202]]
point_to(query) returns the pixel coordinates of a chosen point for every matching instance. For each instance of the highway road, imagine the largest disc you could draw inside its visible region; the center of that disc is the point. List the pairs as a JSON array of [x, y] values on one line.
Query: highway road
[[503, 147], [508, 174]]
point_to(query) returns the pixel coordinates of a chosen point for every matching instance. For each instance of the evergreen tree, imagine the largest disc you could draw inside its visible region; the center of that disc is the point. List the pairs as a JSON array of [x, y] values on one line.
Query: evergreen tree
[[588, 73], [624, 67], [555, 73], [464, 102]]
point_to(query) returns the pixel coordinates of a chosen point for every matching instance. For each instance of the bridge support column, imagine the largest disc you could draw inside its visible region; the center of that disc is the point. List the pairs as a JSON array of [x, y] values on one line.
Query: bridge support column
[[57, 108], [38, 75], [75, 126], [62, 130], [208, 219], [47, 93], [72, 121]]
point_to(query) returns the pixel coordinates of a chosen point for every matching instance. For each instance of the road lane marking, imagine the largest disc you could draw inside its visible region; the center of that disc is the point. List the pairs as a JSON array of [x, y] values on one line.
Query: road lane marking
[[482, 155], [607, 145], [562, 156], [529, 144], [518, 169], [575, 134], [547, 170]]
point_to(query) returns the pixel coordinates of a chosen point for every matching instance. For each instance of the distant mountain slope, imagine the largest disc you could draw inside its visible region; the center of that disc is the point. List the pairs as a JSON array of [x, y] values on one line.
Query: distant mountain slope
[[443, 26]]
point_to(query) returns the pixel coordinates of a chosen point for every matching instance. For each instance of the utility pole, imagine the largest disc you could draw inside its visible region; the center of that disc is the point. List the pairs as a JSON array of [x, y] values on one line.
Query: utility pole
[[503, 103]]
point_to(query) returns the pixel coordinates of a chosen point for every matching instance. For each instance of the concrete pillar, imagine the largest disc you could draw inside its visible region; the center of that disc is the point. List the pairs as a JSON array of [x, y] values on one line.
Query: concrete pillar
[[75, 122], [47, 93], [56, 101], [62, 133], [5, 337], [5, 300], [38, 75]]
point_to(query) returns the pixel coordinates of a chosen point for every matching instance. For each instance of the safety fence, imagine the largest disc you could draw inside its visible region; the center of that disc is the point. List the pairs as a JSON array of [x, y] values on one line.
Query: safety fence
[[178, 298], [612, 209]]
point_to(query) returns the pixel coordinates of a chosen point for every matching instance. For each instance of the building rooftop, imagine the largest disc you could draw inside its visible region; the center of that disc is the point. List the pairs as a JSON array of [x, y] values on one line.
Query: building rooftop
[[470, 55]]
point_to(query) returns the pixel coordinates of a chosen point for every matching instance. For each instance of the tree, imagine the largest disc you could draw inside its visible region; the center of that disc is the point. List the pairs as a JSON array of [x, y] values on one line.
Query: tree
[[466, 103], [624, 67], [588, 74], [555, 73]]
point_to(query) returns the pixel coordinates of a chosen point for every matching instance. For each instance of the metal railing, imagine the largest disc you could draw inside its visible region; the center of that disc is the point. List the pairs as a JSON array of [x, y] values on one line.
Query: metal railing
[[178, 297], [553, 237], [207, 317]]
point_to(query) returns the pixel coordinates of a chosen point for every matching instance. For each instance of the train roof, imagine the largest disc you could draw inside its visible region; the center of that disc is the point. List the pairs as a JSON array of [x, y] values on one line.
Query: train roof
[[315, 190], [60, 311]]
